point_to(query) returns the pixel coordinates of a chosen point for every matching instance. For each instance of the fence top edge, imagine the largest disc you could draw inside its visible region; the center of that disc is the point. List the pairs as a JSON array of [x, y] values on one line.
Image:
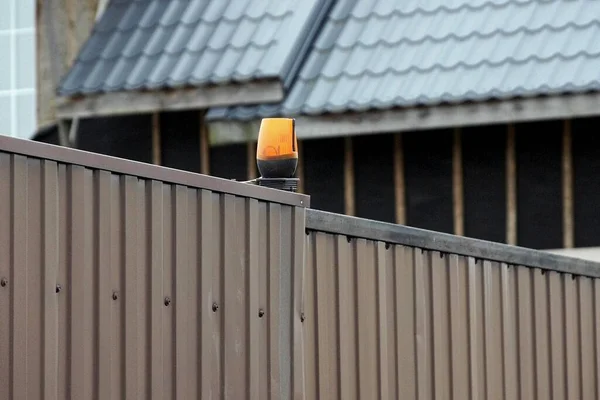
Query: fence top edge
[[142, 170], [355, 227]]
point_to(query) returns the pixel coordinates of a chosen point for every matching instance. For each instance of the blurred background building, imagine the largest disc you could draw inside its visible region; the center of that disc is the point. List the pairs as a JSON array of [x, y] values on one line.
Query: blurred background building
[[473, 117], [17, 68]]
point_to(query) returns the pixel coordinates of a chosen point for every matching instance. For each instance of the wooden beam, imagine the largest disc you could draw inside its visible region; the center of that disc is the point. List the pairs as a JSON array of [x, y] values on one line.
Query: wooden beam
[[156, 140], [204, 147], [300, 169], [409, 119], [511, 187], [251, 159], [349, 200], [399, 181], [567, 187], [458, 185], [136, 102]]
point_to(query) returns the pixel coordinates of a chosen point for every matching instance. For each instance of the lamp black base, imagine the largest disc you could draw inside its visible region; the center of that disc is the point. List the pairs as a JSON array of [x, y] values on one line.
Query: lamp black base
[[287, 184]]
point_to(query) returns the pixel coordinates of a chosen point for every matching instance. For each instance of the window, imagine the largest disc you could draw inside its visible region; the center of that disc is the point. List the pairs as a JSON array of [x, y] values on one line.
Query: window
[[17, 68]]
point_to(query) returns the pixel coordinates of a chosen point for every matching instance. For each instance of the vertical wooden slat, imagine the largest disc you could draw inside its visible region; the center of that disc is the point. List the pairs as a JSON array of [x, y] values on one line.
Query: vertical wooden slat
[[130, 299], [567, 186], [347, 319], [382, 333], [180, 300], [103, 284], [274, 262], [156, 139], [474, 365], [156, 288], [458, 327], [80, 285], [597, 336], [541, 340], [233, 295], [50, 271], [63, 298], [366, 286], [210, 367], [297, 298], [168, 291], [349, 199], [586, 338], [193, 296], [423, 351], [457, 184], [557, 334], [399, 182], [325, 329], [310, 340], [252, 297], [509, 344], [34, 245], [6, 199], [440, 326], [525, 316], [511, 187], [204, 147], [493, 335], [143, 287], [405, 322], [571, 322], [18, 280]]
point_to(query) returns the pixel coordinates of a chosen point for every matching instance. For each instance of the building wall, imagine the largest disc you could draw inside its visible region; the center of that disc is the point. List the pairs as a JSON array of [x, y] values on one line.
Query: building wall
[[62, 26], [17, 68]]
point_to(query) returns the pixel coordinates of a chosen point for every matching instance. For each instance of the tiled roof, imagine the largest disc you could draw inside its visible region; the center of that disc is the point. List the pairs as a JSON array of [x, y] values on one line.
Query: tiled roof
[[157, 44], [392, 53]]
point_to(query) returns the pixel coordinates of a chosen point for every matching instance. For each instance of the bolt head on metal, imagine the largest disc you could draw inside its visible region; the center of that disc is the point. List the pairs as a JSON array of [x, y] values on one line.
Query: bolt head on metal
[[167, 301], [215, 307], [3, 282], [261, 312], [115, 295], [58, 288]]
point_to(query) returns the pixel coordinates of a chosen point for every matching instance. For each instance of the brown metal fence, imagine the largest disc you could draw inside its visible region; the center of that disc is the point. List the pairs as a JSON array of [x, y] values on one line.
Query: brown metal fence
[[399, 313], [125, 280]]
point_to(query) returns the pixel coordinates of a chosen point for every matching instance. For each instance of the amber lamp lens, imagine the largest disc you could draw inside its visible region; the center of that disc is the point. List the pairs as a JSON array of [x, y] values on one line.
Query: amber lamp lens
[[277, 148]]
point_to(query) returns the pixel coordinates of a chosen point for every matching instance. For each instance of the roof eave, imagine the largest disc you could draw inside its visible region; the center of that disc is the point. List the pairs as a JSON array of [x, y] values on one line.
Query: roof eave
[[422, 118], [135, 102]]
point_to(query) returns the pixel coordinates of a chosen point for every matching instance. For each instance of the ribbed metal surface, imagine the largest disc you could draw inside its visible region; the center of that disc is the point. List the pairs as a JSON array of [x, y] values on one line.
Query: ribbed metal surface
[[115, 286], [391, 321], [162, 44], [397, 53]]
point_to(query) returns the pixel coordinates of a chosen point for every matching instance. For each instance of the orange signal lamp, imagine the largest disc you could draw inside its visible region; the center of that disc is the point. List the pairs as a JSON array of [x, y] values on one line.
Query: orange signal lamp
[[277, 154], [277, 148]]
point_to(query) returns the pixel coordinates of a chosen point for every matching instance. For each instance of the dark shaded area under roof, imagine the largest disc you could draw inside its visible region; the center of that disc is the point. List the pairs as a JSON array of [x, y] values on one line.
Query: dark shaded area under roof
[[397, 53], [162, 44]]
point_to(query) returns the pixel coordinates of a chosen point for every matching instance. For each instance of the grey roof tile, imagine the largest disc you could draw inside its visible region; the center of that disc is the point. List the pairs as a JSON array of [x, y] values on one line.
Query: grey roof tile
[[157, 44], [393, 53]]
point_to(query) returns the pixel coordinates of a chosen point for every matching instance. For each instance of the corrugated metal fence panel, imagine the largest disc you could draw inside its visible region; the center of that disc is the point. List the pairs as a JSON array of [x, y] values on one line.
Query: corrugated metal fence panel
[[114, 286], [391, 321]]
